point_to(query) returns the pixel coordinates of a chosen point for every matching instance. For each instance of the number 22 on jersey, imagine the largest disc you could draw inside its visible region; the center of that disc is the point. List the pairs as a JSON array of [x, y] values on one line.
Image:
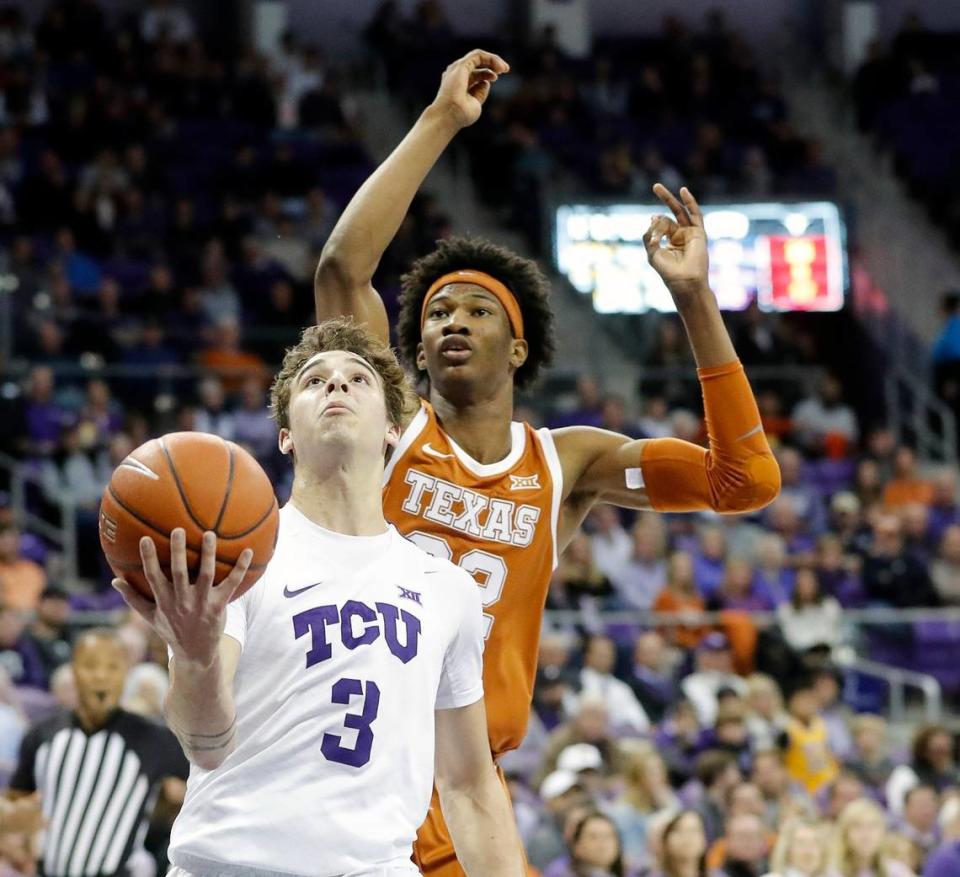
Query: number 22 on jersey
[[489, 570]]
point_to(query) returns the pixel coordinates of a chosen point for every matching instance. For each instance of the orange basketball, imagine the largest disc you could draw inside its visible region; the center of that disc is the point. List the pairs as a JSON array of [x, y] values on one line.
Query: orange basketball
[[196, 481]]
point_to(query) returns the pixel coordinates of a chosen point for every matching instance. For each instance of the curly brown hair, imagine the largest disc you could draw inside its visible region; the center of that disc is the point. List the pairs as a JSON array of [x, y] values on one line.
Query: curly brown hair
[[341, 334], [521, 276]]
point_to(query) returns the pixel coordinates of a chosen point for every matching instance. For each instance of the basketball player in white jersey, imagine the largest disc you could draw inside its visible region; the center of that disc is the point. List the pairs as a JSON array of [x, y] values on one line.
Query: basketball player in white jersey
[[315, 707]]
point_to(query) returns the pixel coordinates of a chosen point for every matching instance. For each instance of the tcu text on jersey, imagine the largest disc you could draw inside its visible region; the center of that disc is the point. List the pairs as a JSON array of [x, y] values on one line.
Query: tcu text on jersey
[[497, 520], [359, 625]]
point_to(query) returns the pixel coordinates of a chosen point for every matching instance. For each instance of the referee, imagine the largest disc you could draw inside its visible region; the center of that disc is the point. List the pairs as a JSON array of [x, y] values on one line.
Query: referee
[[98, 771]]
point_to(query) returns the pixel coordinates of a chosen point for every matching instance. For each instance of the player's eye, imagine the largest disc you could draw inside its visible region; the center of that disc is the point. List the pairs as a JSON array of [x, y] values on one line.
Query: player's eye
[[437, 313], [312, 382], [482, 312], [362, 378]]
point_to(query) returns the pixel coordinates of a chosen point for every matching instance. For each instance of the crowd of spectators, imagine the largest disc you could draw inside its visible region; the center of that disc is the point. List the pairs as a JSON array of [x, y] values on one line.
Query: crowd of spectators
[[907, 93], [691, 105], [162, 208]]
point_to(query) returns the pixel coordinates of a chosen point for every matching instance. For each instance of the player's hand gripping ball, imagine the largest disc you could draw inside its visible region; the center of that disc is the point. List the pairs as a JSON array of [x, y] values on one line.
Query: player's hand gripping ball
[[195, 481]]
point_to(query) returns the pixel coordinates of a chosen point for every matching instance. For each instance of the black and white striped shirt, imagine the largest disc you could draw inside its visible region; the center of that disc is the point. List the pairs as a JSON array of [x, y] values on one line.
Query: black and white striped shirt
[[97, 789]]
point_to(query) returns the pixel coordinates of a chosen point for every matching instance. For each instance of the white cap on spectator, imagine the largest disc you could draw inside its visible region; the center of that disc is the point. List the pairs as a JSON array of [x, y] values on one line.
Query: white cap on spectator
[[580, 756], [558, 783]]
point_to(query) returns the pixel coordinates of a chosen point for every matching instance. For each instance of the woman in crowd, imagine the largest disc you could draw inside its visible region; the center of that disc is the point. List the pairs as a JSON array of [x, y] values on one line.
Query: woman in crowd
[[680, 596], [766, 717], [595, 849], [646, 792], [800, 850], [857, 848], [683, 847], [809, 620], [933, 762]]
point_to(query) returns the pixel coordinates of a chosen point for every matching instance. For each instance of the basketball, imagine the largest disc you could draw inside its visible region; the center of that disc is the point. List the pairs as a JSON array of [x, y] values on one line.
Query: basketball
[[196, 481]]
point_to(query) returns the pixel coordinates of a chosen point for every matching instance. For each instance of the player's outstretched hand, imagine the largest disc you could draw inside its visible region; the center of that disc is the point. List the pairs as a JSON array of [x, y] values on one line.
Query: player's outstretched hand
[[682, 263], [466, 85], [189, 616]]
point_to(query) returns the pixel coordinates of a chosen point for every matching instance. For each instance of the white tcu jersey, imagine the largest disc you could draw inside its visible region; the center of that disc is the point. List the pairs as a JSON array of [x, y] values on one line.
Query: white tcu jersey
[[349, 645]]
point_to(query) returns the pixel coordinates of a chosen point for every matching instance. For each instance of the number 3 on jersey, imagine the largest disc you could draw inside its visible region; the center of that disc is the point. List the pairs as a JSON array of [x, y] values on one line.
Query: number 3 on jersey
[[489, 570]]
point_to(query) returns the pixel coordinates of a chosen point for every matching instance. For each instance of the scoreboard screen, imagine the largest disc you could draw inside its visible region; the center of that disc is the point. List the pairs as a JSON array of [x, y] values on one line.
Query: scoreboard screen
[[787, 256]]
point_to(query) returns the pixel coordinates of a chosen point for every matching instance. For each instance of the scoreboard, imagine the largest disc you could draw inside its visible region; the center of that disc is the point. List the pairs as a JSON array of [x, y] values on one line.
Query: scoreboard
[[787, 256]]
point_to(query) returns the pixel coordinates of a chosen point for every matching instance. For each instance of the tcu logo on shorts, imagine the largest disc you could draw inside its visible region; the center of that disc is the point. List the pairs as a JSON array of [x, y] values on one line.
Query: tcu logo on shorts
[[359, 626]]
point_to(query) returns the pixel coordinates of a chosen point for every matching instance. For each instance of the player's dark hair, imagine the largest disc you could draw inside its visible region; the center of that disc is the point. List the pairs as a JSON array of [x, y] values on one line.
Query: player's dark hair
[[521, 276]]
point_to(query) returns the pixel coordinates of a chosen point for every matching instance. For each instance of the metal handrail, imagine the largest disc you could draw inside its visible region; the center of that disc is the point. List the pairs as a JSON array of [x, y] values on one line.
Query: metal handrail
[[898, 679], [64, 536]]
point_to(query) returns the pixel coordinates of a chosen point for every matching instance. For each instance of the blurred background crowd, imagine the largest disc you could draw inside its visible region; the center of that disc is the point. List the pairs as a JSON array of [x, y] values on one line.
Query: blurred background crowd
[[164, 198]]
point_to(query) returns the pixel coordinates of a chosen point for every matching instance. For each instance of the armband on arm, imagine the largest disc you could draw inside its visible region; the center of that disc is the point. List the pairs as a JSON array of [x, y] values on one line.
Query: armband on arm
[[737, 473]]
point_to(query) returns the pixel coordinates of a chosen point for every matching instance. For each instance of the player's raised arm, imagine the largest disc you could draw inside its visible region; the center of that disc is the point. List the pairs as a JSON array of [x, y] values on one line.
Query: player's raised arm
[[474, 802], [190, 617], [738, 472], [343, 283]]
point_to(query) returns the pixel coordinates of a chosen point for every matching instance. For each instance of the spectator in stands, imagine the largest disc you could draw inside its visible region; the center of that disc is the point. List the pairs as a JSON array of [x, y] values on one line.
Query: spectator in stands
[[945, 569], [870, 759], [585, 761], [713, 675], [610, 542], [679, 597], [594, 849], [945, 860], [588, 410], [652, 676], [717, 773], [805, 742], [810, 619], [226, 359], [921, 804], [645, 574], [857, 844], [737, 590], [646, 793], [827, 682], [781, 798], [13, 725], [18, 654], [562, 795], [946, 351], [597, 680], [710, 560], [823, 422], [655, 421], [746, 847], [772, 577], [253, 427], [46, 419], [678, 740], [800, 851], [844, 790], [21, 580], [839, 573], [766, 718], [590, 724], [944, 510], [49, 630], [906, 486], [683, 847], [932, 762], [891, 576], [212, 415], [579, 573], [806, 500]]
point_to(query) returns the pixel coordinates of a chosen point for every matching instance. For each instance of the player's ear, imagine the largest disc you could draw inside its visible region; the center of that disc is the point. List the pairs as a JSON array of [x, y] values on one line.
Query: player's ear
[[519, 351], [285, 441], [421, 358], [392, 438]]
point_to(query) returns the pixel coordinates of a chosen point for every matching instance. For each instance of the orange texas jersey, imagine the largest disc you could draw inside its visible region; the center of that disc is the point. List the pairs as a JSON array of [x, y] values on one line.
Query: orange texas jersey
[[499, 522]]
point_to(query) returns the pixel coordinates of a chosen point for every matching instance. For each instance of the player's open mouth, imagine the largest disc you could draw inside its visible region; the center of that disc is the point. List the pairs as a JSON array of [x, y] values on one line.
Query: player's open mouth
[[455, 349]]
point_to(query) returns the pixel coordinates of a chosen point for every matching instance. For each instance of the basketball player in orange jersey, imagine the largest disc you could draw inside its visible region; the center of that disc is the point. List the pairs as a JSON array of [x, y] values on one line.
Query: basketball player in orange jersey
[[500, 498]]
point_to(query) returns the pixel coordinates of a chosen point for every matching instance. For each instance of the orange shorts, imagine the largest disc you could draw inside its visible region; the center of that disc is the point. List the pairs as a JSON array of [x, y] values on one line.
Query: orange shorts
[[433, 850]]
